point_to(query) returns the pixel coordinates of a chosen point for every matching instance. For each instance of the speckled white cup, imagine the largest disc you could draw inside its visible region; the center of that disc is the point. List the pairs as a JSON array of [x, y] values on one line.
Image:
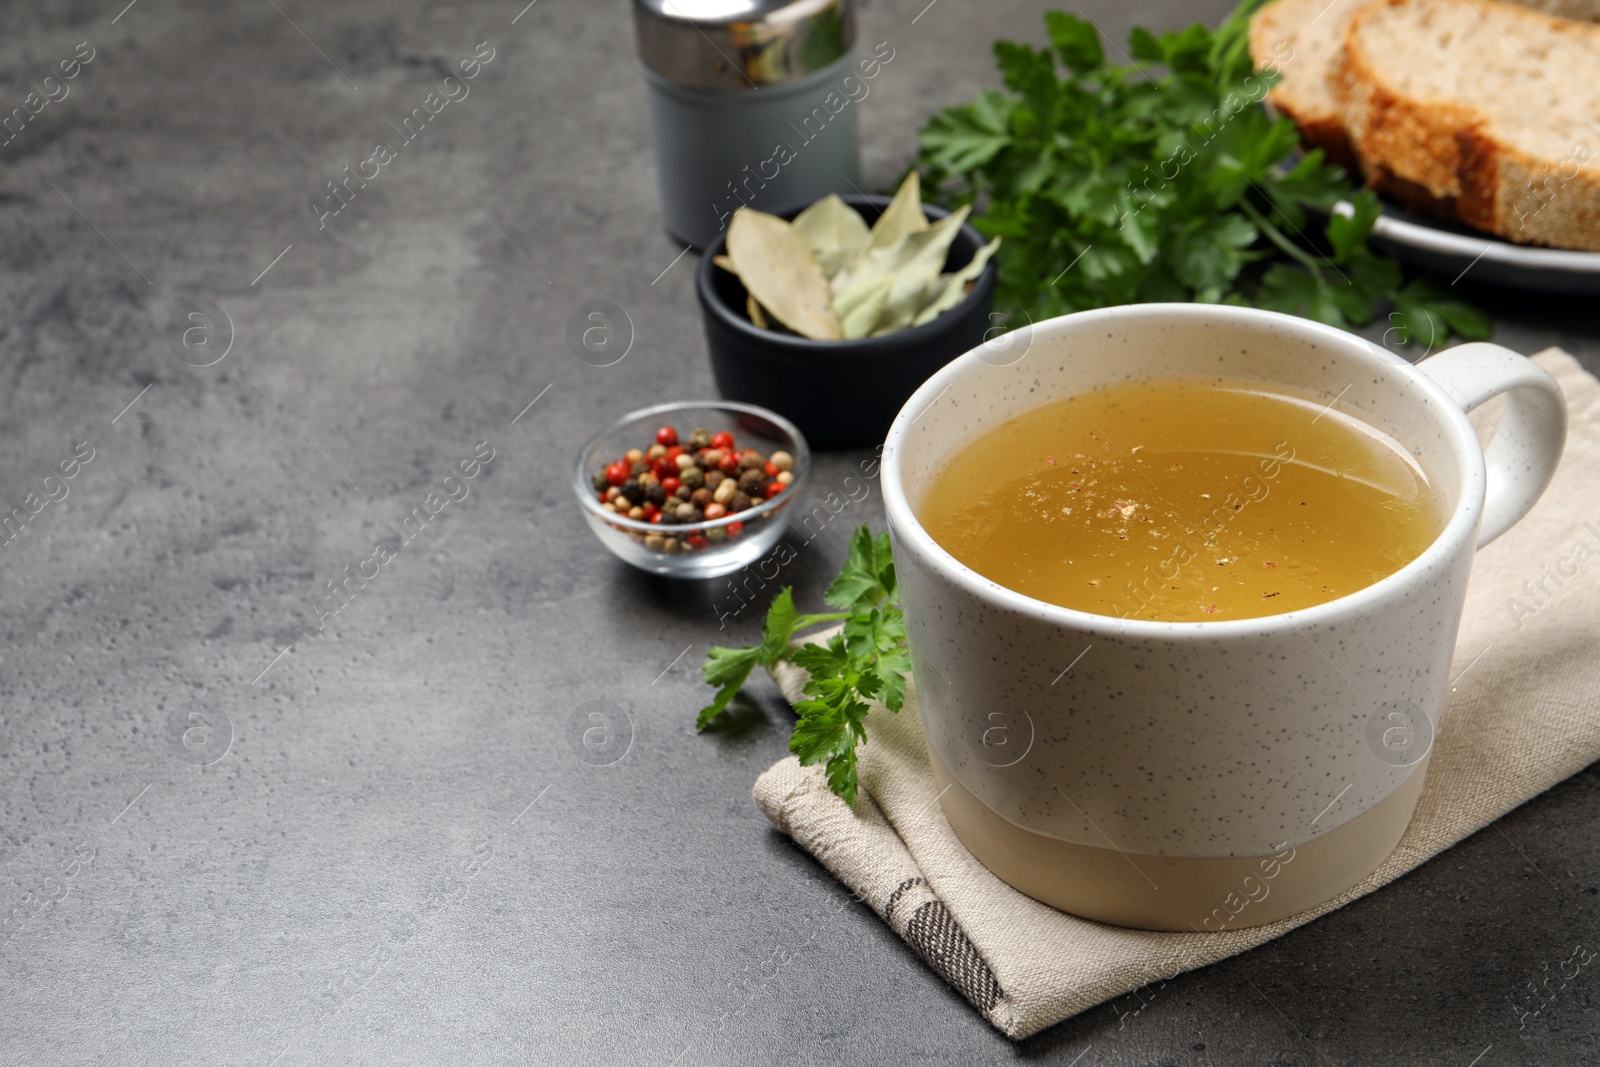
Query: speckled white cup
[[1152, 774]]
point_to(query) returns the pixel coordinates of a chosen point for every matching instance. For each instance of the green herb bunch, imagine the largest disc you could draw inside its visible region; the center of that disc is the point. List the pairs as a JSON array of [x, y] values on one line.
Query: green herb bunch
[[1165, 180], [866, 660]]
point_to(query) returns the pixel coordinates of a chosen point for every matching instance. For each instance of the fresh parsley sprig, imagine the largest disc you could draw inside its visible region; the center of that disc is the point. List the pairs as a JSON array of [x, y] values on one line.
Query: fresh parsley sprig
[[1165, 180], [866, 660]]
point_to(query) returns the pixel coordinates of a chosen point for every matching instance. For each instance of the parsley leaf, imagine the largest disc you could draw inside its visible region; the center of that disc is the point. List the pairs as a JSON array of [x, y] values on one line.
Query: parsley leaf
[[830, 727], [1426, 314], [1165, 179], [730, 668], [1077, 42], [963, 138], [782, 621], [727, 668], [868, 575], [869, 659]]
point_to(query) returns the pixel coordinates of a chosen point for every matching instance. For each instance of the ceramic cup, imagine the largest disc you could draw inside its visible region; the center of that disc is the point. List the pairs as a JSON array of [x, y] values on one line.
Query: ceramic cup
[[1201, 775]]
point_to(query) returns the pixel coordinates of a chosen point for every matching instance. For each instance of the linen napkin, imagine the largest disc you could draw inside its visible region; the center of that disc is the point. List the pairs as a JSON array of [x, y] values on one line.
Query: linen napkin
[[1522, 714]]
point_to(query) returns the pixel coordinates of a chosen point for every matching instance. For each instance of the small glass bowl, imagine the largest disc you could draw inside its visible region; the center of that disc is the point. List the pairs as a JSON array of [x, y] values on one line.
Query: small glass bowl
[[740, 538]]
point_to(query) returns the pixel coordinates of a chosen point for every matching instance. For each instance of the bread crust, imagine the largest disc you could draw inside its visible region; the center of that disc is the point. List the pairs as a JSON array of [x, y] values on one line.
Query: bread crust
[[1529, 200], [1410, 195], [1328, 135], [1319, 128], [1413, 140]]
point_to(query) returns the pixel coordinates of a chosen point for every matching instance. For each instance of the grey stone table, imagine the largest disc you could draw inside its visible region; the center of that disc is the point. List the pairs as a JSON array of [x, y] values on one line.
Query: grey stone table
[[238, 827]]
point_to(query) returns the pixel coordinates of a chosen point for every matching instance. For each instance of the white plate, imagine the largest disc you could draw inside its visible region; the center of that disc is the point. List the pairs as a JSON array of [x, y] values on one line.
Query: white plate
[[1455, 251]]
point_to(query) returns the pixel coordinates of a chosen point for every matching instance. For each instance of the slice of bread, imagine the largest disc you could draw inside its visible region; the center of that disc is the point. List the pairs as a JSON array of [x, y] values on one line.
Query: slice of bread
[[1299, 40], [1488, 108]]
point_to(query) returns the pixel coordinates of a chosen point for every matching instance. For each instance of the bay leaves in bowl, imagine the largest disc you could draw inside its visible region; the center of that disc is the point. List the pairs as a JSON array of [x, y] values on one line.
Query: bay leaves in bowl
[[828, 276]]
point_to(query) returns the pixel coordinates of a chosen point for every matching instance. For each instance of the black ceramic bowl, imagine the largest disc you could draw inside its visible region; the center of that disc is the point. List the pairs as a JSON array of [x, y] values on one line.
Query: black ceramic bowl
[[842, 394]]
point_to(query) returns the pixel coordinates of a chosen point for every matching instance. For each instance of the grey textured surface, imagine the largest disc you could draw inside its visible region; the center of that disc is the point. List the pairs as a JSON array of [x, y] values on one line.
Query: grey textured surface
[[358, 876]]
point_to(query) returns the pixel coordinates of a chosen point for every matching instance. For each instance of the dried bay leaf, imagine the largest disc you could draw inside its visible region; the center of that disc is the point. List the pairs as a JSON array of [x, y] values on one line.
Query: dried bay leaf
[[752, 307], [913, 286], [778, 269], [834, 231], [903, 216], [955, 284], [924, 251], [860, 309]]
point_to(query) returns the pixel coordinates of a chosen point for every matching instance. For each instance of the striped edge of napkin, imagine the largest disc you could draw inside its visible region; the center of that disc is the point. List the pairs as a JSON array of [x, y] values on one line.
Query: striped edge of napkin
[[1523, 716]]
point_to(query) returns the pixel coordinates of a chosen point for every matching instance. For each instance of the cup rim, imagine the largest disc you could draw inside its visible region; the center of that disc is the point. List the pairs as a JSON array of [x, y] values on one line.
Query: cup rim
[[1463, 514]]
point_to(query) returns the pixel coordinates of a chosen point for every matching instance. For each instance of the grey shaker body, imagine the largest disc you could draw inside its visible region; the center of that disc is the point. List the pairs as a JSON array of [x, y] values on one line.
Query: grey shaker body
[[751, 104]]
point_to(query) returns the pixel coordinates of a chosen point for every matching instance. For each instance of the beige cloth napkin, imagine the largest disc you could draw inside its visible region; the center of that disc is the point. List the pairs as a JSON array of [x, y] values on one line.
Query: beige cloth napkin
[[1523, 713]]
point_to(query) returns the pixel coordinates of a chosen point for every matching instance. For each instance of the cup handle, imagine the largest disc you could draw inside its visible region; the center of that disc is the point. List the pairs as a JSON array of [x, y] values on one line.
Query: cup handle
[[1527, 444]]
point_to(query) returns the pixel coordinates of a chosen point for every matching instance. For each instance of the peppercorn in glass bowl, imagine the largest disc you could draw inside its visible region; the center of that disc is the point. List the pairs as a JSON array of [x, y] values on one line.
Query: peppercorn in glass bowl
[[691, 490]]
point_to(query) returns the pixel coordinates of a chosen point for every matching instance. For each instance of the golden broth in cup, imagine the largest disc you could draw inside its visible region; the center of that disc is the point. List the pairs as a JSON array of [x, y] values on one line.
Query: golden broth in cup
[[1182, 500]]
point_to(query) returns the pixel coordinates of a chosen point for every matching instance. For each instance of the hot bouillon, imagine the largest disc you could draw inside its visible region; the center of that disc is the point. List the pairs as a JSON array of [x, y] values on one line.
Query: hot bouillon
[[1183, 501]]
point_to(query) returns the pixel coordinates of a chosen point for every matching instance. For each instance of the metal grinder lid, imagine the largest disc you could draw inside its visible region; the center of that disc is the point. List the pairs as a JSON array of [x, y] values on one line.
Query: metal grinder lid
[[742, 44]]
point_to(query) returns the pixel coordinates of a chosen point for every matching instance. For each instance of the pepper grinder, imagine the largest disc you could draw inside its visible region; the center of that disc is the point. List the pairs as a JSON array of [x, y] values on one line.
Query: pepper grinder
[[751, 102]]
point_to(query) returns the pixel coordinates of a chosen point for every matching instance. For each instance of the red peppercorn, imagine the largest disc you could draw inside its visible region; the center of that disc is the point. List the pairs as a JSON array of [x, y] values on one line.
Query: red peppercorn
[[664, 468], [735, 529], [774, 489], [670, 485], [723, 440], [674, 452], [650, 509], [729, 464], [619, 472], [697, 541], [772, 471], [667, 436], [656, 519], [602, 497]]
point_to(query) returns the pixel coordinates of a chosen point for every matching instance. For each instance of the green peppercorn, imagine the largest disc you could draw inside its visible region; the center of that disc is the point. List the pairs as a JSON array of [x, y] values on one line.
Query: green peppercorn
[[716, 533], [700, 438], [599, 481], [686, 512], [693, 477]]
